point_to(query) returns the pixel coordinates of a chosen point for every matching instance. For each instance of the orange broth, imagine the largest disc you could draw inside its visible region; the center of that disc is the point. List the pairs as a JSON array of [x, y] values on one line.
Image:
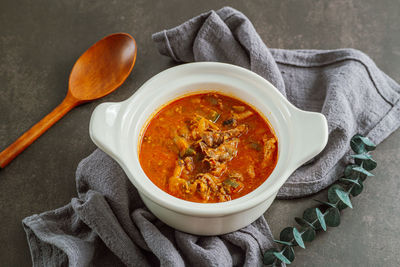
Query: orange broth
[[206, 148]]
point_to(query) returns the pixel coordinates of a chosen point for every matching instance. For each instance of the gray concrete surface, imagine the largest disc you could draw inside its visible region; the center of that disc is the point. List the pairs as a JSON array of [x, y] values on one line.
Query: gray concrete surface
[[40, 40]]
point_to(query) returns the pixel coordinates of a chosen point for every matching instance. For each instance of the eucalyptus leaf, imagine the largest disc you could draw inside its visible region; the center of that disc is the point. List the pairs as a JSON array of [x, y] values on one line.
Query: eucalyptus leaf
[[289, 253], [269, 257], [282, 258], [360, 144], [326, 203], [357, 145], [352, 181], [344, 197], [369, 145], [332, 217], [368, 164], [285, 243], [298, 238], [362, 156], [362, 170], [357, 189], [321, 218], [334, 198], [303, 222], [286, 234], [308, 234], [350, 173], [310, 216]]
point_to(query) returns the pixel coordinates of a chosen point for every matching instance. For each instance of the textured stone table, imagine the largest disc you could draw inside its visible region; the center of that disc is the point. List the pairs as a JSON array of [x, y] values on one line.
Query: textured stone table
[[40, 40]]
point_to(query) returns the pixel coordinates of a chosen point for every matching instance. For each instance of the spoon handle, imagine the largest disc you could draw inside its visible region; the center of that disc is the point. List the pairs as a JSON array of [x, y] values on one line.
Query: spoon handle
[[8, 154]]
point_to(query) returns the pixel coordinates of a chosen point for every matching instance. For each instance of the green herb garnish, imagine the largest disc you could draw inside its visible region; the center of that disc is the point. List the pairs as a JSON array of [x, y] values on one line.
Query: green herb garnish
[[190, 152], [231, 182], [255, 146]]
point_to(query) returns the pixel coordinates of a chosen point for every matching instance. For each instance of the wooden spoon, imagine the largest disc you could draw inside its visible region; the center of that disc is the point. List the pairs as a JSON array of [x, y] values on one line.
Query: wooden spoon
[[98, 72]]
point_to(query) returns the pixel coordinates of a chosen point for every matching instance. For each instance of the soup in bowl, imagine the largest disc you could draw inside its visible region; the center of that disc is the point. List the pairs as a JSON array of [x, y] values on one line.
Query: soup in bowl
[[192, 160], [208, 148]]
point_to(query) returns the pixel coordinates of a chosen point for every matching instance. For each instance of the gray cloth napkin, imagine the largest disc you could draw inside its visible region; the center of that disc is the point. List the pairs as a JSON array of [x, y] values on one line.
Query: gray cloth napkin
[[108, 225]]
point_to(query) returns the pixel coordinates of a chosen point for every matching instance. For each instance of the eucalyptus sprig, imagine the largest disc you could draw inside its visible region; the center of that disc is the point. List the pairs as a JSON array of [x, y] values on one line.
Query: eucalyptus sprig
[[327, 214]]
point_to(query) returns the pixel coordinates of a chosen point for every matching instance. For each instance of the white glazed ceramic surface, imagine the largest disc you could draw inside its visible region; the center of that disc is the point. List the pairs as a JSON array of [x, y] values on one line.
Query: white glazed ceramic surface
[[116, 128]]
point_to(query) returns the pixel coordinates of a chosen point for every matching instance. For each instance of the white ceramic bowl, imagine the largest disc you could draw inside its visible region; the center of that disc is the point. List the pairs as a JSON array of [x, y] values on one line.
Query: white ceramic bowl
[[116, 128]]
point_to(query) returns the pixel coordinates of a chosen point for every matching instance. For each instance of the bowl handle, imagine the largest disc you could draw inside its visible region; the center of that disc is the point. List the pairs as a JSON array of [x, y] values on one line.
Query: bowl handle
[[310, 135], [102, 127]]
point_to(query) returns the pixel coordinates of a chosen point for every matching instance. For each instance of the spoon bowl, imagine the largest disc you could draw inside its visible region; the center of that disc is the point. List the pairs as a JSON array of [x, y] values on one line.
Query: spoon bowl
[[98, 72], [103, 67]]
